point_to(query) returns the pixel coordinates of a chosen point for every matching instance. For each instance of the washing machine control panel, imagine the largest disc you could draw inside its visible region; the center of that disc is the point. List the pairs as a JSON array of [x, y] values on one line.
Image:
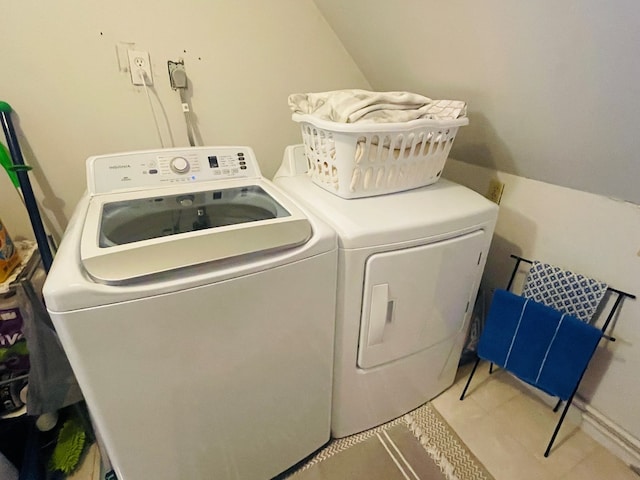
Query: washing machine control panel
[[158, 168]]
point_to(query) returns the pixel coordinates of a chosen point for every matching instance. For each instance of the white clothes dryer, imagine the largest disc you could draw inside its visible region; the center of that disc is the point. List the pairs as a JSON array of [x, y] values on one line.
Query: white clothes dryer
[[409, 268], [196, 304]]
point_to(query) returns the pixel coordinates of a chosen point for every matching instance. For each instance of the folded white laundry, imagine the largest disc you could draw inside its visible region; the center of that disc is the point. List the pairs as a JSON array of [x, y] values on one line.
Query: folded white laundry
[[350, 106]]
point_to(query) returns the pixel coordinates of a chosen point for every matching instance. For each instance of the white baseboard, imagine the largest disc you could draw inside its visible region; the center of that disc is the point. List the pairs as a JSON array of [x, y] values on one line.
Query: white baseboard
[[608, 434]]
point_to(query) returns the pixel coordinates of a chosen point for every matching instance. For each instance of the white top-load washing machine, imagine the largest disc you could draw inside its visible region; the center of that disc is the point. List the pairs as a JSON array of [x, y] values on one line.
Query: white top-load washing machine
[[409, 267], [196, 304]]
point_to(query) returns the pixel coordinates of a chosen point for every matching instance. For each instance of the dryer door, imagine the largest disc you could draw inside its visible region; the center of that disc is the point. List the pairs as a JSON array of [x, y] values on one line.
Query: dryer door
[[417, 297]]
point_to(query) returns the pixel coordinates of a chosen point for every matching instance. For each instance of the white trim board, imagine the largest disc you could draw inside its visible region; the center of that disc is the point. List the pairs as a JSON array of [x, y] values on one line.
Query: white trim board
[[608, 434], [611, 436]]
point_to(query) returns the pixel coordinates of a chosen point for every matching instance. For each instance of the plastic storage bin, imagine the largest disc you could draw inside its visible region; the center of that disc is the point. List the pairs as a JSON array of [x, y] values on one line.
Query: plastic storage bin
[[354, 160]]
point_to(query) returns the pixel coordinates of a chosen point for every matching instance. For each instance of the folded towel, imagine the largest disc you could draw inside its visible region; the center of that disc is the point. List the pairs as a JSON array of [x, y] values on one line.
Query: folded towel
[[350, 106], [543, 347], [572, 348], [565, 291]]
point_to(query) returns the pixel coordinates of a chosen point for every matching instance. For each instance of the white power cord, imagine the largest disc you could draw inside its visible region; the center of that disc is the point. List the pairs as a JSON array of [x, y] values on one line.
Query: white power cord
[[143, 78]]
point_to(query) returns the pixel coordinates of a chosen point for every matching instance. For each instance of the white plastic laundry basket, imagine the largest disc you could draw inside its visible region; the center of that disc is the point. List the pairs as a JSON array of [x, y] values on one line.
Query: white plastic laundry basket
[[354, 160]]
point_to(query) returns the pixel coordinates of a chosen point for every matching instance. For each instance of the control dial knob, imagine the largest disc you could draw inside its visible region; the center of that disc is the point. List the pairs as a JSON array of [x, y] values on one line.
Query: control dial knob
[[179, 165]]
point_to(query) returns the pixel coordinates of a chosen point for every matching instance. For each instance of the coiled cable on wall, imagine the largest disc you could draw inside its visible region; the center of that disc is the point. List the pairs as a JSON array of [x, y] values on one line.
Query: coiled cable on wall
[[179, 81], [187, 117]]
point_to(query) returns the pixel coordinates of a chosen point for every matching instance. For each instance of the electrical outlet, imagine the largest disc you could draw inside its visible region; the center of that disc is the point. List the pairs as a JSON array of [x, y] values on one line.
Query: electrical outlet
[[494, 192], [140, 67]]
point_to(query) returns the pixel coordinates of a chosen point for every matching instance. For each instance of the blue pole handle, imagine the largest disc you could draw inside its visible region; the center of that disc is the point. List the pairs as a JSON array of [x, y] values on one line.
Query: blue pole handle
[[25, 185]]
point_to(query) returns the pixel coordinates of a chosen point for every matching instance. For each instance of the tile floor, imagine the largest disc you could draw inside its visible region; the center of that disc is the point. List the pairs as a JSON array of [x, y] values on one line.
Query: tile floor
[[507, 428]]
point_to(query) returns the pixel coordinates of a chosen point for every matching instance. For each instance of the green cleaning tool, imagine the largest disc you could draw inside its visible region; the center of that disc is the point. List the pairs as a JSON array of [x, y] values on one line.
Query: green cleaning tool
[[68, 450], [7, 164]]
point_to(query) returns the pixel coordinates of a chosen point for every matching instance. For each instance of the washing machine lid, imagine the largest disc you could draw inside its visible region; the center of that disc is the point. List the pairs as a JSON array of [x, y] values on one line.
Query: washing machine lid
[[133, 234]]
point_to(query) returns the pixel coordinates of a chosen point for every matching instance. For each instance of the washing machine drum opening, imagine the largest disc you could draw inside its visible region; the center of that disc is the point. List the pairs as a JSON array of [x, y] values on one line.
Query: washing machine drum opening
[[129, 237], [147, 218]]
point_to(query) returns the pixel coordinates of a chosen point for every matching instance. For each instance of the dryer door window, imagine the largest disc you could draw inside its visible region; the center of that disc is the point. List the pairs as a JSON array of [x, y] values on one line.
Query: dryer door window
[[417, 297]]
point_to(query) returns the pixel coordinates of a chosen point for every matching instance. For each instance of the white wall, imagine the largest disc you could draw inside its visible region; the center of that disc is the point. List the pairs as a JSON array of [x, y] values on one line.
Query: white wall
[[552, 86], [584, 233], [243, 58]]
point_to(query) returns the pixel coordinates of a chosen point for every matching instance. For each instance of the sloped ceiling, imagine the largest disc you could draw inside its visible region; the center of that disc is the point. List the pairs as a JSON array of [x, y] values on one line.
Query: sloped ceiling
[[553, 87]]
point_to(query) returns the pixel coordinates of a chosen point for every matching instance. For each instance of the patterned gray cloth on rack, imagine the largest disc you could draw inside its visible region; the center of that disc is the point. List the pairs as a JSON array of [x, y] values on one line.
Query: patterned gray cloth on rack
[[563, 290]]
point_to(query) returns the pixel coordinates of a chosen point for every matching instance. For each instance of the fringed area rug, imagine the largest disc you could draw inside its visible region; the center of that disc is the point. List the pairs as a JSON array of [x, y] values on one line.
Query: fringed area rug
[[418, 446]]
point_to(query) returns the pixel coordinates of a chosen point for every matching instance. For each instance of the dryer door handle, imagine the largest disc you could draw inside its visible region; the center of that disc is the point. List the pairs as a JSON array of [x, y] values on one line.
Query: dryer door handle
[[380, 313]]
